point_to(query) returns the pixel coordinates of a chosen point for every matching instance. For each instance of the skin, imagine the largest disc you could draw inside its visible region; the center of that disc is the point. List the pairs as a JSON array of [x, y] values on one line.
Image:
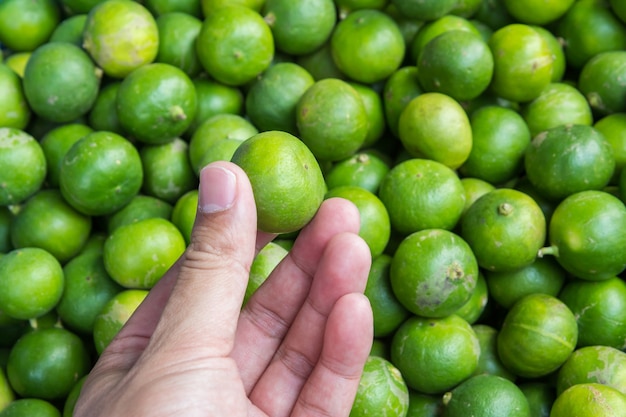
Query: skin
[[297, 348]]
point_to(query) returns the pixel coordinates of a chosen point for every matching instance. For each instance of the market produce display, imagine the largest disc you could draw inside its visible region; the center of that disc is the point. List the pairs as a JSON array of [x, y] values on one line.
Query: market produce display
[[482, 141]]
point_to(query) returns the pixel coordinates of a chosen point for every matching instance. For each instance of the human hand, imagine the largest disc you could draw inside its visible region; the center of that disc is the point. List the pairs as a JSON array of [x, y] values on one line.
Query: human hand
[[297, 347]]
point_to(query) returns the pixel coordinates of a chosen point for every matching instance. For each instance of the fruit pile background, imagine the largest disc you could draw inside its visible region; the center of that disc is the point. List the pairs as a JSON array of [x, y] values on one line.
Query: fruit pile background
[[483, 142]]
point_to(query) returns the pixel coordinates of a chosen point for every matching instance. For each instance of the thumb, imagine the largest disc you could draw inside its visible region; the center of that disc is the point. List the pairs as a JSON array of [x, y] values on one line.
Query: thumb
[[205, 303]]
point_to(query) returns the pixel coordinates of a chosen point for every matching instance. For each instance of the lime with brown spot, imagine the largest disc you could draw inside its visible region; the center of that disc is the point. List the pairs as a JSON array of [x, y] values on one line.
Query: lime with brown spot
[[593, 364], [234, 45], [101, 173], [286, 179], [433, 273], [331, 119], [121, 36], [422, 194], [505, 229], [474, 308], [156, 103]]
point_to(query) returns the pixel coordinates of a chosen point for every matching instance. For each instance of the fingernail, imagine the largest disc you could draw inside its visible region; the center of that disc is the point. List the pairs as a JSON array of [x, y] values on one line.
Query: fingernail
[[217, 189]]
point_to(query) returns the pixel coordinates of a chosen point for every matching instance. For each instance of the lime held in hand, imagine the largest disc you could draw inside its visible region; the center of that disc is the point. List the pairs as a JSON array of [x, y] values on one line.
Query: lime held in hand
[[286, 179]]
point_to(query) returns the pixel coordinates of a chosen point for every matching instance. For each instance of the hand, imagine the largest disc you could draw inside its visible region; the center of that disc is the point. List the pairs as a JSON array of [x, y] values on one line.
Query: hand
[[296, 349]]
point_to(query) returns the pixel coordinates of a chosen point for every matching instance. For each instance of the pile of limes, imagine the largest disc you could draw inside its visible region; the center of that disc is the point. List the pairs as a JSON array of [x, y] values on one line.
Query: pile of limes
[[483, 142]]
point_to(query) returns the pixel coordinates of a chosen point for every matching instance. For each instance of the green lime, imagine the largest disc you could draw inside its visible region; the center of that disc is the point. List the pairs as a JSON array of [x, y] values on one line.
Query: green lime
[[367, 46], [600, 364], [600, 80], [17, 62], [466, 8], [101, 182], [286, 179], [589, 400], [103, 113], [435, 355], [499, 141], [72, 397], [540, 396], [79, 6], [522, 62], [494, 14], [26, 407], [422, 194], [320, 64], [25, 25], [424, 405], [222, 150], [234, 44], [374, 220], [138, 254], [60, 82], [272, 99], [24, 165], [14, 111], [487, 396], [505, 229], [167, 170], [47, 363], [555, 44], [537, 12], [31, 283], [425, 9], [114, 315], [364, 169], [547, 206], [212, 130], [331, 119], [588, 28], [600, 310], [544, 276], [586, 236], [430, 30], [139, 208], [121, 36], [433, 273], [613, 128], [456, 63], [474, 188], [55, 145], [435, 126], [156, 103], [214, 98], [474, 308], [400, 88], [6, 392], [558, 104], [47, 221], [6, 218], [300, 28], [262, 266], [184, 213], [373, 104], [70, 30], [189, 7], [381, 388], [388, 312], [209, 6], [88, 287], [537, 336], [177, 41], [489, 362]]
